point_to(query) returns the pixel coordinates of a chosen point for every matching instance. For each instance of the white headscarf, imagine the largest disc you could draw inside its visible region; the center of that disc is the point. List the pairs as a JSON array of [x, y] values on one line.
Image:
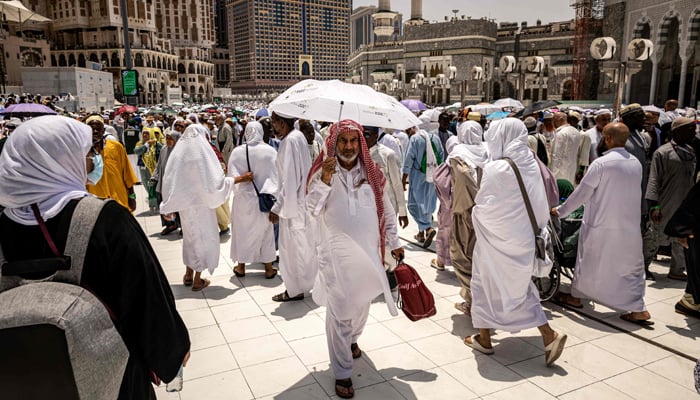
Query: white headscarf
[[43, 162], [471, 149], [508, 138], [193, 176], [254, 133], [470, 132], [450, 144]]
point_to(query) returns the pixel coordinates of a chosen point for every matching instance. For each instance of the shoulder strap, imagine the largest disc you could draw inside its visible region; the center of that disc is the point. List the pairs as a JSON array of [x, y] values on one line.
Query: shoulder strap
[[81, 225], [526, 198], [247, 160]]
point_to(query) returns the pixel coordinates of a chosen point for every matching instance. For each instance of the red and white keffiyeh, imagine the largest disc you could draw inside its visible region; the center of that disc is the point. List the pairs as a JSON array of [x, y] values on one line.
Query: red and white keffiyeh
[[375, 177]]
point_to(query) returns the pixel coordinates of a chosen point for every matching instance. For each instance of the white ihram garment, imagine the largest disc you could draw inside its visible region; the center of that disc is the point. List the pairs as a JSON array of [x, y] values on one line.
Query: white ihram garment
[[194, 185], [390, 165], [253, 238], [297, 262], [504, 296], [610, 265], [564, 158], [351, 273]]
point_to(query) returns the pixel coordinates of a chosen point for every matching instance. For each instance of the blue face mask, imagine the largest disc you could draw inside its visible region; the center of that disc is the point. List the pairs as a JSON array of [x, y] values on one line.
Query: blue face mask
[[96, 174]]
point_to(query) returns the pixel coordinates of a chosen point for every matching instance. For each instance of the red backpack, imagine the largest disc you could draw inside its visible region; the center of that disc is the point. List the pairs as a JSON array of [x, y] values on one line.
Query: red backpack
[[415, 300]]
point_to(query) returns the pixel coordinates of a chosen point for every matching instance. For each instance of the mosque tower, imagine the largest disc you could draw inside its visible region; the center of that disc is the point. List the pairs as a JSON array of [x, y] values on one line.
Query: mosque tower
[[416, 13], [383, 21]]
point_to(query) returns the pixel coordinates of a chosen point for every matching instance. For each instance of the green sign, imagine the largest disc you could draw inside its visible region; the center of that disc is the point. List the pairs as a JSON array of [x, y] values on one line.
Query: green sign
[[130, 82]]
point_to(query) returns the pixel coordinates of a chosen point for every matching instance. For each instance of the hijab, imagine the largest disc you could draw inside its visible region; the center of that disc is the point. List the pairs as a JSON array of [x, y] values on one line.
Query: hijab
[[43, 163], [254, 133]]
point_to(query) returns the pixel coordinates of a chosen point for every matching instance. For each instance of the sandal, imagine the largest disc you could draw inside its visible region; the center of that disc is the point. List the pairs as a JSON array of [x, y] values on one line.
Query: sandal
[[205, 283], [429, 236], [187, 280], [474, 344], [274, 274], [343, 388], [239, 274], [356, 352], [420, 237], [434, 263], [564, 299], [554, 349], [642, 322], [284, 297], [464, 308]]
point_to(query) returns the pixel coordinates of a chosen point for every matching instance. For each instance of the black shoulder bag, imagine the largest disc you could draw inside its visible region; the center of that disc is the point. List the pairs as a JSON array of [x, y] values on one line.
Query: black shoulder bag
[[265, 200]]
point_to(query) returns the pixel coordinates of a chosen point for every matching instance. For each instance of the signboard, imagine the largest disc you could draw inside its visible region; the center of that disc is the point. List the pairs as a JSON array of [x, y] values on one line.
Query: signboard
[[130, 82]]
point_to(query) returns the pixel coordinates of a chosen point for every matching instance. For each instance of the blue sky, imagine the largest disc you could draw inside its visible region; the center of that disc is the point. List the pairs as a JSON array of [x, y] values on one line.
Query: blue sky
[[501, 10]]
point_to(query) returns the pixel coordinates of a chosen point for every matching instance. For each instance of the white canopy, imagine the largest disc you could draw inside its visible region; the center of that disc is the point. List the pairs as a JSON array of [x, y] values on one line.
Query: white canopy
[[15, 11]]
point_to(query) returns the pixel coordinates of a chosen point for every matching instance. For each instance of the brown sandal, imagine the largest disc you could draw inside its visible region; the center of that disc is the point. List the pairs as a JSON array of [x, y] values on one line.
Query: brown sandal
[[344, 389], [284, 297], [187, 280], [205, 283]]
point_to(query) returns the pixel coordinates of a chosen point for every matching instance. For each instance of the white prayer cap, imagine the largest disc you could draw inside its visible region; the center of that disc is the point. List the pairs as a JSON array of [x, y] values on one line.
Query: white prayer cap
[[602, 111]]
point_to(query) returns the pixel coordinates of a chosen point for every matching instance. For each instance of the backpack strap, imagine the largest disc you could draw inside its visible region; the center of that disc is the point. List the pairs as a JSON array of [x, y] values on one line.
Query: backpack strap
[[526, 198], [81, 225]]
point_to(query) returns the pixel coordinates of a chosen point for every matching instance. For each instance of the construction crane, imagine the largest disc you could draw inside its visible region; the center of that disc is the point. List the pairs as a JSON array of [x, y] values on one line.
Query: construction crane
[[589, 14]]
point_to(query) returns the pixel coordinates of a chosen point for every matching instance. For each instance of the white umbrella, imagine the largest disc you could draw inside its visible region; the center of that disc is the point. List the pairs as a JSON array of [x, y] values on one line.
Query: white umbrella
[[507, 102], [484, 108], [334, 100], [15, 11]]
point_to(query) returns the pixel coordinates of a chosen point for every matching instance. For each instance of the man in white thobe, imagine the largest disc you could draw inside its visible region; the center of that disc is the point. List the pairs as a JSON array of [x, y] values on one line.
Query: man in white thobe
[[254, 239], [346, 193], [297, 263], [194, 185], [610, 266], [567, 157], [388, 140], [602, 118], [503, 295]]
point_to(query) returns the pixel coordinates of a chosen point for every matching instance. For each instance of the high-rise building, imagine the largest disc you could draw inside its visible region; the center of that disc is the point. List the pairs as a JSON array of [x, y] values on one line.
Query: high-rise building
[[221, 58], [171, 42], [275, 43]]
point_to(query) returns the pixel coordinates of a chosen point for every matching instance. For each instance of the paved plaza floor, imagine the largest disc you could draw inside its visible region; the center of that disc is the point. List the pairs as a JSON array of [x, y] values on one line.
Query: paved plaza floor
[[245, 346]]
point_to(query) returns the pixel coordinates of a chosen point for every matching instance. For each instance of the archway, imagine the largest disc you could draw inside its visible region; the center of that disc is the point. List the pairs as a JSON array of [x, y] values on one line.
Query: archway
[[180, 68], [138, 60], [567, 90], [93, 57], [670, 64], [640, 83], [62, 60], [81, 60], [115, 60]]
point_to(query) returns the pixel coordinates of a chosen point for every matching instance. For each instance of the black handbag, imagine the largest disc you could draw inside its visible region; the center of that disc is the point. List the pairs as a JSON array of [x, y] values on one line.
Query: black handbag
[[265, 200]]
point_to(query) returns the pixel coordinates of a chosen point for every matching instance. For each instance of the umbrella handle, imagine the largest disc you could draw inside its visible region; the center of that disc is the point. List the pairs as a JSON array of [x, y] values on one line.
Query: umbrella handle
[[340, 113]]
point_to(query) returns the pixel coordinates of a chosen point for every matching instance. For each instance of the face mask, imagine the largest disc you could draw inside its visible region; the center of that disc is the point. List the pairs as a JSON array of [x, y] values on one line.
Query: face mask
[[96, 174]]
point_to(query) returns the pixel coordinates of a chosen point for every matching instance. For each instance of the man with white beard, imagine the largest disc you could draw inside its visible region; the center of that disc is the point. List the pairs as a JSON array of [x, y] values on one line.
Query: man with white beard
[[356, 221], [296, 253], [503, 295]]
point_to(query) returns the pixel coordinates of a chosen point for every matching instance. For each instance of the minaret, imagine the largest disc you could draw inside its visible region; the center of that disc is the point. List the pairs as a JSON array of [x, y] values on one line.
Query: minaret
[[383, 21], [416, 13], [417, 9]]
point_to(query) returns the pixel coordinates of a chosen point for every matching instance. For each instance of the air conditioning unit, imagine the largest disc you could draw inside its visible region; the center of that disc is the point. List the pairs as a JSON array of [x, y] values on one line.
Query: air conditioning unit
[[507, 64], [603, 48], [535, 64], [640, 49], [477, 73]]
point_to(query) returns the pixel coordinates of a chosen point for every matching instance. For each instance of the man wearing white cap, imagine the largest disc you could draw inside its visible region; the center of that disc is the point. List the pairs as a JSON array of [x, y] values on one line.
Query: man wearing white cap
[[602, 118]]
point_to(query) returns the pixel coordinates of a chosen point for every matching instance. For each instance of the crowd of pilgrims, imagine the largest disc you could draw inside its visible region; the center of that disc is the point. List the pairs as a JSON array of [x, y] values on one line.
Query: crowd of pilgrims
[[204, 174]]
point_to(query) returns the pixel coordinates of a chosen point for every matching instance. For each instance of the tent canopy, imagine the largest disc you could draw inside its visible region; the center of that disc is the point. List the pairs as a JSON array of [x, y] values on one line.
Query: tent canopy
[[15, 11]]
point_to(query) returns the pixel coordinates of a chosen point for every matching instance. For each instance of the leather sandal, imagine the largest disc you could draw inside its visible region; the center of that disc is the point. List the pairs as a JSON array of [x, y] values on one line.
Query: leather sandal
[[344, 389]]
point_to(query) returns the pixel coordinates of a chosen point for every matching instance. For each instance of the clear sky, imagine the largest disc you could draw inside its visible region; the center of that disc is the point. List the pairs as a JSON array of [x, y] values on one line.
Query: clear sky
[[501, 10]]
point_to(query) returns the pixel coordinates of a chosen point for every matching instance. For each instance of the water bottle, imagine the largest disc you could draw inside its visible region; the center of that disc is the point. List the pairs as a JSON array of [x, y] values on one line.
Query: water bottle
[[176, 384]]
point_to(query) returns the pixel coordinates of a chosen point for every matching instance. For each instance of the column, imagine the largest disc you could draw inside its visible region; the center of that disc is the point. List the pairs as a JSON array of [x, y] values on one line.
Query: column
[[681, 84], [654, 79]]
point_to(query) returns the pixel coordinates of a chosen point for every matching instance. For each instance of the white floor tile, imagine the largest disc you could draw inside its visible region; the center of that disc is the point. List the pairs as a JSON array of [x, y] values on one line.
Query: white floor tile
[[643, 384], [296, 329], [277, 376], [260, 350], [431, 384], [244, 329], [442, 349], [483, 375], [636, 351], [526, 390], [224, 386], [210, 361], [310, 392], [312, 350], [597, 391], [558, 379], [236, 311], [205, 337], [675, 369], [399, 360], [594, 361], [363, 374], [197, 318]]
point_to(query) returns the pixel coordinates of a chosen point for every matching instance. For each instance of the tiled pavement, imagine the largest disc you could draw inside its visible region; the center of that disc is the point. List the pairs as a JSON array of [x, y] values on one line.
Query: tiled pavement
[[245, 346]]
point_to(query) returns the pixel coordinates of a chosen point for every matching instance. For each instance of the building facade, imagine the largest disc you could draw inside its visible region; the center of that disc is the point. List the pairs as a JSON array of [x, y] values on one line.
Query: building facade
[[673, 69], [275, 43], [171, 42], [458, 59]]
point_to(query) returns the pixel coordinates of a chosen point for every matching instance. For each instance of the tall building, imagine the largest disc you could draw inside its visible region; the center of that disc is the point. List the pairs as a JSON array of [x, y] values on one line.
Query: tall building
[[221, 58], [362, 27], [275, 43], [171, 42]]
